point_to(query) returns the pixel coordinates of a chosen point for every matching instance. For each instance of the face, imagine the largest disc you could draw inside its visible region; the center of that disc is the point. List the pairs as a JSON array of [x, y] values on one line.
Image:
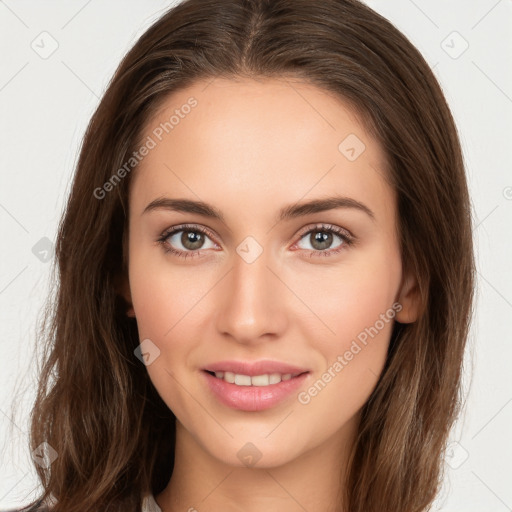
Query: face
[[255, 283]]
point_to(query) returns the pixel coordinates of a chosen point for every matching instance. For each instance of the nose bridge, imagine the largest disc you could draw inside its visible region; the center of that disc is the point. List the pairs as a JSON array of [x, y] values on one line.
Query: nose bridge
[[252, 304]]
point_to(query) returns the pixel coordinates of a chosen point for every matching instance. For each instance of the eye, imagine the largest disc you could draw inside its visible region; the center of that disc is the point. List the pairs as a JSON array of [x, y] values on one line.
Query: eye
[[322, 236], [188, 239]]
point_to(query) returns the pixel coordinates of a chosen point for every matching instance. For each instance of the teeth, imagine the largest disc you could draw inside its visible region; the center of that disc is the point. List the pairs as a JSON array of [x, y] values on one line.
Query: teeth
[[257, 380], [242, 380]]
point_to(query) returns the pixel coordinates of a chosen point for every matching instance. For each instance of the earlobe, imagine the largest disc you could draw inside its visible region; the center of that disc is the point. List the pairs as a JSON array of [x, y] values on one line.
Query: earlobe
[[409, 299]]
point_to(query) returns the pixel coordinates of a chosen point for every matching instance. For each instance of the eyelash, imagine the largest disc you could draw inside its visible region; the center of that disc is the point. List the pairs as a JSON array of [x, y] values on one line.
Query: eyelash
[[348, 239]]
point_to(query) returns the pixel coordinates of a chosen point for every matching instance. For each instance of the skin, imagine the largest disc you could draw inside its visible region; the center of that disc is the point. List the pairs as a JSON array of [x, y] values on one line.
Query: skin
[[251, 147]]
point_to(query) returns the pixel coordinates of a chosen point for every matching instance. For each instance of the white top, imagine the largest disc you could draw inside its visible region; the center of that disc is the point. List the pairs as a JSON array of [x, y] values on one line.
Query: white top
[[149, 504]]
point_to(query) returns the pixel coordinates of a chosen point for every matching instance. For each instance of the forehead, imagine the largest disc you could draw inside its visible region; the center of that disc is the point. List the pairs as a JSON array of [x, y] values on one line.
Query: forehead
[[257, 142]]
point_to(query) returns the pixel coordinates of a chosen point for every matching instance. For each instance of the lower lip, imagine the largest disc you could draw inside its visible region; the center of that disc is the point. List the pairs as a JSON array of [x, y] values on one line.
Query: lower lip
[[253, 398]]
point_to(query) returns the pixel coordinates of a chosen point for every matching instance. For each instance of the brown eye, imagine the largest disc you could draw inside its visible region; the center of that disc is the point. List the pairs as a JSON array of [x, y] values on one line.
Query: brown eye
[[192, 240], [186, 240], [322, 238]]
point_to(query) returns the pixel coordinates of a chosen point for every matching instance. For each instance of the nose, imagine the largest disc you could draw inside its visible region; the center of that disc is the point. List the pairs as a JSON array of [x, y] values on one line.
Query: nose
[[252, 301]]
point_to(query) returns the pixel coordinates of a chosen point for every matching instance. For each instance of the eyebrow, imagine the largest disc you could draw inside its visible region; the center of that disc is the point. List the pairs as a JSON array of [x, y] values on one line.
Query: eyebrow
[[291, 211]]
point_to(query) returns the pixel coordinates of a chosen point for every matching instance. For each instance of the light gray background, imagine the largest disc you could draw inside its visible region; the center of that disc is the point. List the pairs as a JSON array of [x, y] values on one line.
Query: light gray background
[[46, 103]]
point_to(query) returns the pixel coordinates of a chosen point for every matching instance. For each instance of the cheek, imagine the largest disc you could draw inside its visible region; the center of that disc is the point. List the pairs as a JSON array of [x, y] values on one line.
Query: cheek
[[163, 294], [350, 297], [169, 303], [166, 304], [361, 316], [352, 327]]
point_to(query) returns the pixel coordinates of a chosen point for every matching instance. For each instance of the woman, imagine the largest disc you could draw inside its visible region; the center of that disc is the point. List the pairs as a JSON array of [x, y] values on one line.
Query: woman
[[265, 272]]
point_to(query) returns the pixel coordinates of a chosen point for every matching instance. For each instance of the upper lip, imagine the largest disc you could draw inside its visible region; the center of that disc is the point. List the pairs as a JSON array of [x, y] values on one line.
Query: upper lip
[[255, 367]]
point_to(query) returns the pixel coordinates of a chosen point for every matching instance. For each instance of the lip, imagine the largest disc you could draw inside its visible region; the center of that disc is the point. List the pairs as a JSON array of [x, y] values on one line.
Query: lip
[[255, 368], [252, 398]]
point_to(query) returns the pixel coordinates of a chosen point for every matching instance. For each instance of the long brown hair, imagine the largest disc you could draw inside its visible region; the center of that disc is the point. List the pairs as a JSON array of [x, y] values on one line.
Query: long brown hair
[[96, 406]]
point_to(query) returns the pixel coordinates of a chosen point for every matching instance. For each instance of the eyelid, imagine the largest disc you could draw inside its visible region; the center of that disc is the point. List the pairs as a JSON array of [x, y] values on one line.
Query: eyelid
[[327, 227], [185, 227]]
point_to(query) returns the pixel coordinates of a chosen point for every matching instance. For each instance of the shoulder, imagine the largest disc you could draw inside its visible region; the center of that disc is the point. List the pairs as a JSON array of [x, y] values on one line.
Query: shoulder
[[149, 504]]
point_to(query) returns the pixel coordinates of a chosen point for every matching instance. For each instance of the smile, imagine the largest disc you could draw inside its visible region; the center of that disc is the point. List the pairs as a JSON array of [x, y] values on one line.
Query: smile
[[257, 380], [253, 393]]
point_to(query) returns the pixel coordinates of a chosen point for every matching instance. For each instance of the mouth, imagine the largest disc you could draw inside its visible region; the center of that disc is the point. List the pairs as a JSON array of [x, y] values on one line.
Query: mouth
[[253, 393], [264, 380]]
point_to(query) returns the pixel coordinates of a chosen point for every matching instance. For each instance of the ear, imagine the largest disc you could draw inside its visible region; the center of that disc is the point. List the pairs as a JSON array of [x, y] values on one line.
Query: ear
[[122, 286], [409, 298]]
